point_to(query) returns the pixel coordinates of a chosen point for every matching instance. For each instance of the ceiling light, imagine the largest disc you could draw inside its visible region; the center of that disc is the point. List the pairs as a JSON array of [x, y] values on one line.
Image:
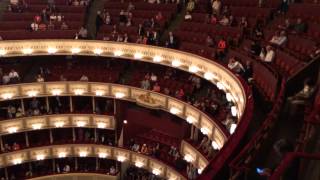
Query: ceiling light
[[229, 97], [139, 164], [3, 52], [100, 92], [56, 92], [101, 125], [103, 155], [209, 76], [191, 119], [59, 124], [174, 110], [204, 130], [215, 145], [188, 158], [234, 111], [78, 91], [83, 153], [12, 129], [40, 157], [32, 93], [156, 172], [17, 161], [62, 154], [220, 86], [81, 123], [121, 158], [232, 128]]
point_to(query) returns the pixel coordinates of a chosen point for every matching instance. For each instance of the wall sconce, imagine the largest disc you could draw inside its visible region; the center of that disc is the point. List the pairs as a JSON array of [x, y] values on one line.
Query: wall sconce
[[75, 50], [229, 97], [100, 92], [78, 91], [32, 93], [204, 130], [17, 161], [12, 130], [56, 92], [157, 59], [40, 157], [62, 154], [101, 125], [139, 164], [193, 69], [6, 95], [36, 126], [156, 172], [59, 124], [209, 76], [103, 155], [3, 52], [138, 55], [121, 158], [97, 51], [119, 95], [174, 111], [191, 119], [188, 158], [118, 53], [52, 50], [215, 145], [234, 111], [232, 128], [176, 63], [81, 123], [220, 86], [83, 153], [27, 51]]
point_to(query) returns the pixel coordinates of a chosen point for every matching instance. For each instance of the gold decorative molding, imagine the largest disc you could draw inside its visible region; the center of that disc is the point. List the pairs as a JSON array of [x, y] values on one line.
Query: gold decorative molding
[[70, 88], [90, 150], [77, 176], [56, 121], [206, 68]]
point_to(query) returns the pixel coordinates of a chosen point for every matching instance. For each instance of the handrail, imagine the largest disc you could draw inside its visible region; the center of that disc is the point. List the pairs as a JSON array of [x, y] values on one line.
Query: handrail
[[76, 176]]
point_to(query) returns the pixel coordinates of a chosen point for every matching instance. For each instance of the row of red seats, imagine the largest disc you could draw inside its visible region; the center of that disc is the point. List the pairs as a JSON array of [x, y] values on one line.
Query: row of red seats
[[142, 6], [23, 34], [25, 25]]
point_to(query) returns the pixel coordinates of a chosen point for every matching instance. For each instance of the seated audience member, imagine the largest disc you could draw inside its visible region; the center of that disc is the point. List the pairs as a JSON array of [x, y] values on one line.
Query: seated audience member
[[130, 7], [40, 78], [64, 26], [122, 18], [224, 21], [159, 16], [83, 33], [126, 38], [112, 170], [228, 121], [15, 146], [248, 71], [107, 18], [50, 26], [62, 78], [204, 143], [84, 78], [136, 147], [14, 76], [179, 94], [188, 16], [76, 3], [172, 41], [34, 26], [243, 22], [190, 6], [258, 32], [5, 79], [286, 26], [153, 77], [144, 149], [42, 27], [269, 55], [299, 27], [145, 84], [191, 172], [315, 53], [216, 6], [305, 94], [279, 38], [7, 148], [66, 168], [156, 88]]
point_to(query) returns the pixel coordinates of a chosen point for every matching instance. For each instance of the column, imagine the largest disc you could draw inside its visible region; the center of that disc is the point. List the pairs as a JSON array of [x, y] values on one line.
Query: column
[[47, 104], [27, 139], [1, 144], [51, 136], [73, 135], [22, 106], [71, 104], [93, 104]]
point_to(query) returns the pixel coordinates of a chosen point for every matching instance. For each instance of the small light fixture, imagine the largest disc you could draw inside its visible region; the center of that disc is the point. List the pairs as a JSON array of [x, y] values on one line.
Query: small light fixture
[[3, 52], [78, 91], [27, 51], [101, 125], [17, 161], [139, 164], [215, 145], [188, 158], [83, 153], [232, 128], [220, 86], [59, 124], [97, 51], [100, 92], [12, 130], [193, 69], [62, 154], [156, 172], [121, 158], [118, 53], [75, 50], [191, 119], [234, 111], [103, 155], [81, 123], [174, 111], [125, 122], [32, 93], [200, 170], [56, 92], [6, 95], [229, 97], [36, 126], [176, 63], [204, 130], [52, 50], [209, 76], [157, 59], [138, 55], [40, 157], [119, 95]]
